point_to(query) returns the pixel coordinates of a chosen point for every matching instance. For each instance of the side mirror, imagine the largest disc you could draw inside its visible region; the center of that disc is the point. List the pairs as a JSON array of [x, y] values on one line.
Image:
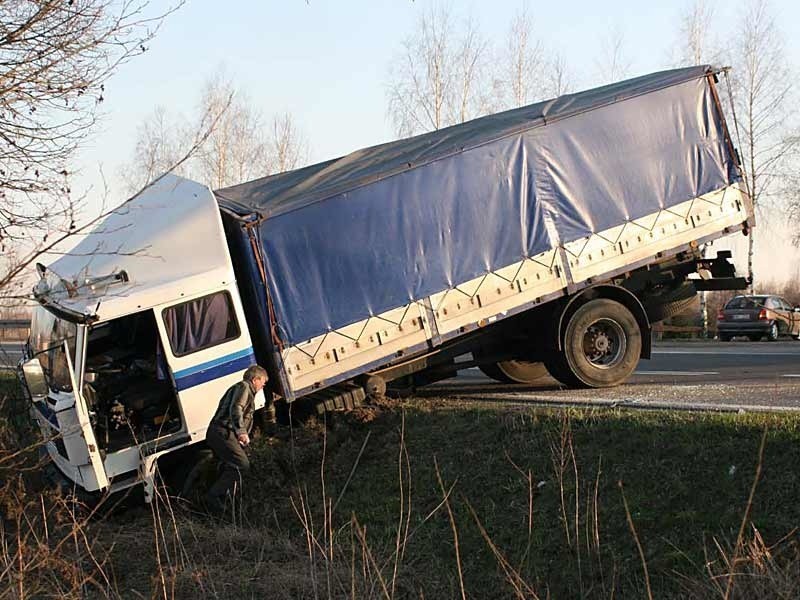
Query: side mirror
[[34, 378]]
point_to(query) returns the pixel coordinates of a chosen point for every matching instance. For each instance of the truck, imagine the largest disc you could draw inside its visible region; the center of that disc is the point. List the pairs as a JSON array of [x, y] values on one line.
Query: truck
[[544, 239]]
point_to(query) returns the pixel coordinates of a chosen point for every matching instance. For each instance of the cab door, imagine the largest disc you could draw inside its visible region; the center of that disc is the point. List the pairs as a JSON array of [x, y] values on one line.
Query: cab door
[[207, 347], [91, 469]]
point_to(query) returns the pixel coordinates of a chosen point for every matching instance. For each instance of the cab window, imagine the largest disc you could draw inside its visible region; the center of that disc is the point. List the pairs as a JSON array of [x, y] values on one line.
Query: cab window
[[201, 323]]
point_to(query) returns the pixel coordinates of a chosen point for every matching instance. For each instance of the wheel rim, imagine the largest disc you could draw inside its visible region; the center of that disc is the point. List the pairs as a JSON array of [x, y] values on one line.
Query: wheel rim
[[773, 331], [604, 343]]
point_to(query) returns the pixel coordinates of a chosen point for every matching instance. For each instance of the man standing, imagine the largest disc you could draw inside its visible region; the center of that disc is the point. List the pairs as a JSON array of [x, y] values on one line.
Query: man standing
[[228, 434]]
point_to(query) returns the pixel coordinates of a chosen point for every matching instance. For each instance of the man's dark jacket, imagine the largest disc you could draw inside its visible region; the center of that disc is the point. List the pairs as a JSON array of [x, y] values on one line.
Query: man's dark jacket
[[235, 410]]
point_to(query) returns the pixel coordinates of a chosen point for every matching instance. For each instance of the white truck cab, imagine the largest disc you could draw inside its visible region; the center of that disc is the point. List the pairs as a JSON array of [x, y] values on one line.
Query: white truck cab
[[139, 332]]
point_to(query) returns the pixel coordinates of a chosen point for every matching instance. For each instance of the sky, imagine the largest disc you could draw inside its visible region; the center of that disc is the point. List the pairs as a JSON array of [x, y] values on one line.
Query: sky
[[327, 63]]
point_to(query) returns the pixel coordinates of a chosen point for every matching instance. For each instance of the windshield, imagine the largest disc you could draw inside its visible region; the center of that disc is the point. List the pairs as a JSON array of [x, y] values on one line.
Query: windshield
[[48, 334]]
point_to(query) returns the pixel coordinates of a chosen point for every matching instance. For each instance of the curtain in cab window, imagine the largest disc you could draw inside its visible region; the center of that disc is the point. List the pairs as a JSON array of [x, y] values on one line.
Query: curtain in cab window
[[200, 323]]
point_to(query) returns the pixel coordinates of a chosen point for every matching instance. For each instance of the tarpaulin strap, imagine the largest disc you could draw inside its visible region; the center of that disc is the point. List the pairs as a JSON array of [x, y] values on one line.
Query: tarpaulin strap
[[731, 148], [273, 322]]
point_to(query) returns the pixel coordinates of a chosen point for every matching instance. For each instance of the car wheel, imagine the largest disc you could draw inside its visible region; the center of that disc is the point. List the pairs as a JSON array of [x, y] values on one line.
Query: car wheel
[[772, 335], [724, 338], [754, 338]]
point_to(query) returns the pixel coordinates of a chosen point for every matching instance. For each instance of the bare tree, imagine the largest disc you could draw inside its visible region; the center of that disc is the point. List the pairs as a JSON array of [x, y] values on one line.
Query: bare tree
[[791, 191], [56, 57], [437, 78], [422, 76], [239, 148], [612, 63], [696, 43], [790, 184], [287, 149], [235, 151], [762, 87], [161, 140], [533, 73], [526, 62], [558, 79], [55, 60], [469, 98]]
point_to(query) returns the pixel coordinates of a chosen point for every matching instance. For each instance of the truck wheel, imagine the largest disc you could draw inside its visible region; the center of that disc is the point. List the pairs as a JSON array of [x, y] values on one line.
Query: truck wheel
[[670, 303], [374, 386], [602, 345], [665, 311], [559, 369], [514, 371]]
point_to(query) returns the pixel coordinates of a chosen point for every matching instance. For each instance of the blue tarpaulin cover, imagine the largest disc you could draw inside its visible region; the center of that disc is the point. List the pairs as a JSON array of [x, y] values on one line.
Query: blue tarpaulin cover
[[387, 225]]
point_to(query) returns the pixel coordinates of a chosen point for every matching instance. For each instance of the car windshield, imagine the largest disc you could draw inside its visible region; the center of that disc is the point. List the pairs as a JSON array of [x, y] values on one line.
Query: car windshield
[[747, 302], [48, 334]]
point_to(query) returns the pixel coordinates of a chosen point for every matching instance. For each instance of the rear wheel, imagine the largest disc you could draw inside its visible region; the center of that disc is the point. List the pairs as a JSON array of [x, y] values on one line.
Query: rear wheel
[[602, 345], [772, 335], [724, 337], [754, 337], [514, 371]]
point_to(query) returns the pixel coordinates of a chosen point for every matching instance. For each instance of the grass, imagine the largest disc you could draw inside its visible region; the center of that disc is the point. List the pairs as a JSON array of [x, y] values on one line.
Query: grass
[[446, 499]]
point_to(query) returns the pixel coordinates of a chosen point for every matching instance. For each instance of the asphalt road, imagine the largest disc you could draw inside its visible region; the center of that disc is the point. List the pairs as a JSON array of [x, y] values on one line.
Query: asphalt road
[[732, 376]]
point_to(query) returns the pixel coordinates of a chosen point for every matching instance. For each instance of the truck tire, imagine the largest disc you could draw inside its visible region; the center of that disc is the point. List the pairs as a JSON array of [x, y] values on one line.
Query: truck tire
[[374, 386], [665, 311], [557, 367], [670, 302], [514, 371], [601, 347]]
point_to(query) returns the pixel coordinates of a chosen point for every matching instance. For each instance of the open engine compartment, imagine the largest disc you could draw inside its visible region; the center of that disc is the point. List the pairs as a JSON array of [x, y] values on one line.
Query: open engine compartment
[[130, 396]]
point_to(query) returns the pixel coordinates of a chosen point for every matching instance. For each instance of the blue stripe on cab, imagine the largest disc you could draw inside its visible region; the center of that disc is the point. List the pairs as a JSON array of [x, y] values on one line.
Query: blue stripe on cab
[[220, 367], [213, 363]]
